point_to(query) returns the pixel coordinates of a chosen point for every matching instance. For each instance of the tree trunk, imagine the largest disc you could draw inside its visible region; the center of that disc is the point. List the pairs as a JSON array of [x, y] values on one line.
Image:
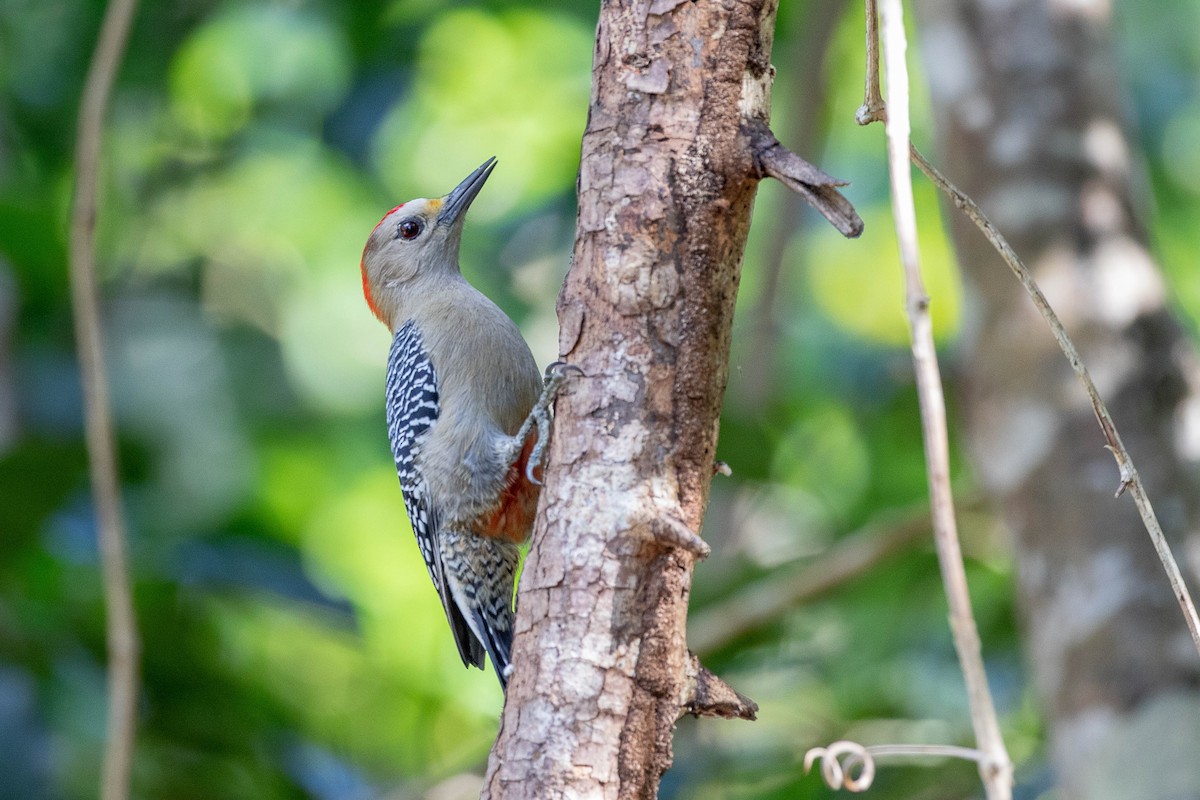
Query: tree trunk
[[1029, 118], [667, 179]]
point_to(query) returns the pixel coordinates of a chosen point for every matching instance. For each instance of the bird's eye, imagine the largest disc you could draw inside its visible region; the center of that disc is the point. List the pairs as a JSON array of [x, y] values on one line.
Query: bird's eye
[[410, 229]]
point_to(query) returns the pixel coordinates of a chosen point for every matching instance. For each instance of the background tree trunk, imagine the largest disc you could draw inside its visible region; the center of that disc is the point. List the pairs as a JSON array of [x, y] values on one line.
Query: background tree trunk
[[1029, 118], [667, 179]]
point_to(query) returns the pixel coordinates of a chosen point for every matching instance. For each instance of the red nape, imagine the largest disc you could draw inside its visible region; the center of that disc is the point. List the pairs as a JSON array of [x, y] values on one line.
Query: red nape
[[367, 294], [362, 265]]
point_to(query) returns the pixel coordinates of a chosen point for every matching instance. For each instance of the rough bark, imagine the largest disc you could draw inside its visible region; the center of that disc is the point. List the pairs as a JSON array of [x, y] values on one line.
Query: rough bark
[[667, 179], [1029, 119]]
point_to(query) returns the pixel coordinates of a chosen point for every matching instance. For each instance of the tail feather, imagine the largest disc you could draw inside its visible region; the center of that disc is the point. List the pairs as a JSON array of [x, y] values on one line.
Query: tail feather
[[469, 647], [480, 573], [498, 644]]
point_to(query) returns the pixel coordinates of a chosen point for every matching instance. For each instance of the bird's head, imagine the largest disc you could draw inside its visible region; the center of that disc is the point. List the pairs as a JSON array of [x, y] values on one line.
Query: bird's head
[[416, 239]]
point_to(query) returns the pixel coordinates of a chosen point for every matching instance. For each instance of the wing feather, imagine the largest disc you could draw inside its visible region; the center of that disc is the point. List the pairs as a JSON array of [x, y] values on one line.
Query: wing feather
[[412, 409]]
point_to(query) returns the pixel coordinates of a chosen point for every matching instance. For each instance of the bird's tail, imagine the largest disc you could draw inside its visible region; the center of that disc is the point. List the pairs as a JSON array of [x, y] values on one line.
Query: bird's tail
[[481, 573]]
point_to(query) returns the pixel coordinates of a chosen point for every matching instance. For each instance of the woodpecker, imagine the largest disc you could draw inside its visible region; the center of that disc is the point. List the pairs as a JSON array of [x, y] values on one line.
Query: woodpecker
[[467, 416]]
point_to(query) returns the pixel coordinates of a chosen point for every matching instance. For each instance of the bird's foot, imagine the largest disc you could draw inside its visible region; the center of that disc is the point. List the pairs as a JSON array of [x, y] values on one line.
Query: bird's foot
[[556, 375]]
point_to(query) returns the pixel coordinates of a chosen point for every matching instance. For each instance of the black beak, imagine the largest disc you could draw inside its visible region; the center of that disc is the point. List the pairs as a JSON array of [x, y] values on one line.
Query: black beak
[[455, 204]]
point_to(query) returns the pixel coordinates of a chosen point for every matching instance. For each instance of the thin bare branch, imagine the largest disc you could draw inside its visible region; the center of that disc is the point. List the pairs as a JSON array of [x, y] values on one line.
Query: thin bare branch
[[768, 599], [1128, 478], [996, 767], [873, 108], [123, 643]]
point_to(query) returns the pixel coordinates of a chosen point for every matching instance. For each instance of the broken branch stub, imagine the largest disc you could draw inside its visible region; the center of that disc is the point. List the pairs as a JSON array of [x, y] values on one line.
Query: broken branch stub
[[817, 188], [709, 696]]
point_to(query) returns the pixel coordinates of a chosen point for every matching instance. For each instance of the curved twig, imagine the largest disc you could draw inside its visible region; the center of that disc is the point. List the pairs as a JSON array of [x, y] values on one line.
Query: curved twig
[[840, 758], [122, 633], [1127, 473], [838, 775], [995, 769]]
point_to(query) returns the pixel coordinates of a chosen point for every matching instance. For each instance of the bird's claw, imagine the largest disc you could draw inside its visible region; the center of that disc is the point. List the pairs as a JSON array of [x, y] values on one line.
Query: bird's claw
[[558, 371], [556, 375]]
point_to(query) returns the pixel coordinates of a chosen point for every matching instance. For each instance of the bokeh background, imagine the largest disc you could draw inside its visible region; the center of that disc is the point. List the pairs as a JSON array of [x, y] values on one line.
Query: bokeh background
[[293, 646]]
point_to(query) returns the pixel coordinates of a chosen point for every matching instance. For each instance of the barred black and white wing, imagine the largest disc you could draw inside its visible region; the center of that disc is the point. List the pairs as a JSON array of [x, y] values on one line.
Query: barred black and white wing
[[412, 409]]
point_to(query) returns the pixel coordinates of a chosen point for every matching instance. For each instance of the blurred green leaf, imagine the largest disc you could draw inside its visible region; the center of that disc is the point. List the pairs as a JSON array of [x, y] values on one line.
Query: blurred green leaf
[[250, 57], [514, 85]]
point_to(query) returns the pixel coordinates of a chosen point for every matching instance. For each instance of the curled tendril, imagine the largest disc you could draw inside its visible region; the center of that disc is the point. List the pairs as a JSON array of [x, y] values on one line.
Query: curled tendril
[[838, 775], [839, 759]]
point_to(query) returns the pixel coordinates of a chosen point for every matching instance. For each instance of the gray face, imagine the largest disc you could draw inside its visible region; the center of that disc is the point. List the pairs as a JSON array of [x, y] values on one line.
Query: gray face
[[418, 238]]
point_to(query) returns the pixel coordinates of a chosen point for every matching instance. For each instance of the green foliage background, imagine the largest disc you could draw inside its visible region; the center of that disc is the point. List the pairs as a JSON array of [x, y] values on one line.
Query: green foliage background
[[293, 646]]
